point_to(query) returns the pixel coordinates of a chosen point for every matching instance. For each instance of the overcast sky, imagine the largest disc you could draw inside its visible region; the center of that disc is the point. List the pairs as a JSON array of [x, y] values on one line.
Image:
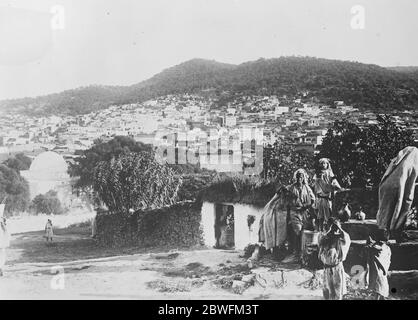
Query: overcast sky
[[121, 42]]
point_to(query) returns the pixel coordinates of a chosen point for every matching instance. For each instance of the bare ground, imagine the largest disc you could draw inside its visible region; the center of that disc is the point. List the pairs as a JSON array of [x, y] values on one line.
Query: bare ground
[[94, 272]]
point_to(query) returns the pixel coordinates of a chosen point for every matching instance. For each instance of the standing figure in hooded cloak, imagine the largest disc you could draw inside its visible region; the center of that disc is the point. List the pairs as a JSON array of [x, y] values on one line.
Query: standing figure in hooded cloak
[[273, 227], [396, 191], [378, 255], [4, 243], [301, 199]]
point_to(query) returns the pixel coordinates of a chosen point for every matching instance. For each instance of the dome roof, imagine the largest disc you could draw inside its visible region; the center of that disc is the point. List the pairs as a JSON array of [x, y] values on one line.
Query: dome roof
[[49, 163]]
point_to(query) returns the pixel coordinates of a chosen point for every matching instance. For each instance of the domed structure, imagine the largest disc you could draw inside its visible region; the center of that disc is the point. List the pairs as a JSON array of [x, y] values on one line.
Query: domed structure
[[48, 171], [49, 165]]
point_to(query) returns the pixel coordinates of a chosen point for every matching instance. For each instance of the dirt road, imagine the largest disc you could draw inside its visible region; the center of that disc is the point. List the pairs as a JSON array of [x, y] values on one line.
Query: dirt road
[[74, 267]]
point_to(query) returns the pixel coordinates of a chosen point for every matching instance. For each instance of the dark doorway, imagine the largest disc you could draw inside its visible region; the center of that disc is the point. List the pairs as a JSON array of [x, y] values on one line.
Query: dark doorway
[[224, 226]]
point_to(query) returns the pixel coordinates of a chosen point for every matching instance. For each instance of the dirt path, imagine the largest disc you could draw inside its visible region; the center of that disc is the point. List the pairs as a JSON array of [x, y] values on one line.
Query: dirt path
[[74, 267]]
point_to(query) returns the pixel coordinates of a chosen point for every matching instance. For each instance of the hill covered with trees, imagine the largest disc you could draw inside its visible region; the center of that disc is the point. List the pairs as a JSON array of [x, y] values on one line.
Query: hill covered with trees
[[364, 85]]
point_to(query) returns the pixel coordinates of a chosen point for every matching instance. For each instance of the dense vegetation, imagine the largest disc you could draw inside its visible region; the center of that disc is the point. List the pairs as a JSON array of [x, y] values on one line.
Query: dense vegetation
[[84, 165], [195, 178], [238, 188], [47, 203], [360, 156], [364, 85], [170, 227], [18, 162], [14, 189], [281, 160], [135, 181]]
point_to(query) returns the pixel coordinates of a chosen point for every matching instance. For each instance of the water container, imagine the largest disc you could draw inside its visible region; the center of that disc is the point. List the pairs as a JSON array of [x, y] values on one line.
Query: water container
[[229, 236], [310, 241], [309, 238]]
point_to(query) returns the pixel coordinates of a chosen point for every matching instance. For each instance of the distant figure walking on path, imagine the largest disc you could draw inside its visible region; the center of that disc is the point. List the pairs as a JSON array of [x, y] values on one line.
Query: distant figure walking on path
[[49, 232], [333, 249], [4, 243], [325, 184], [93, 227]]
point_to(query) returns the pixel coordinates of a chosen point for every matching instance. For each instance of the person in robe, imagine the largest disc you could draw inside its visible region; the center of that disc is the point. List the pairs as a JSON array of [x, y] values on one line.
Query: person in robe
[[378, 255], [49, 233], [396, 192], [273, 233], [325, 184], [94, 227], [221, 225], [333, 249], [4, 243], [301, 200]]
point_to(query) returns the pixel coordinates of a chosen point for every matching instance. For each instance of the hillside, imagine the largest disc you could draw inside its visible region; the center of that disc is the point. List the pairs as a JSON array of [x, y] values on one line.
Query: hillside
[[70, 102], [407, 69], [364, 85]]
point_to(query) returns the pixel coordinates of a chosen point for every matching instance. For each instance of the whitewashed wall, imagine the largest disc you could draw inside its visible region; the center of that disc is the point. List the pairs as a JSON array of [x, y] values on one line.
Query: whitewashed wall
[[242, 234], [208, 223]]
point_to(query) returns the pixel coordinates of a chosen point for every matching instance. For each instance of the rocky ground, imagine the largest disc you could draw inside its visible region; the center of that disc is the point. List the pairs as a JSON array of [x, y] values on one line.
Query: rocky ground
[[74, 267]]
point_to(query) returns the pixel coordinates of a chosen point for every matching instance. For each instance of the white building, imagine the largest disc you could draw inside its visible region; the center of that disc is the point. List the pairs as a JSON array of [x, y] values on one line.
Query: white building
[[230, 121], [242, 232], [48, 171], [278, 110]]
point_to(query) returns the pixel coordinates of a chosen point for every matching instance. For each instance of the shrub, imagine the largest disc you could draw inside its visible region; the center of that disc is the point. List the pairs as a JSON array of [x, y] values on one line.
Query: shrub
[[135, 181], [47, 203], [177, 225], [360, 156], [240, 188], [15, 188]]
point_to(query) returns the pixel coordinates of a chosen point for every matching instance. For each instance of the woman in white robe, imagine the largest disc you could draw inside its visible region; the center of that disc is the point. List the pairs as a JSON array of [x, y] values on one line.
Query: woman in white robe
[[4, 243], [325, 184]]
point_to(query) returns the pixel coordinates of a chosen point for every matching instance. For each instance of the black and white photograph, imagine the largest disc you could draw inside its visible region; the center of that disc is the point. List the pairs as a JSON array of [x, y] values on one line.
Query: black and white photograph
[[225, 151]]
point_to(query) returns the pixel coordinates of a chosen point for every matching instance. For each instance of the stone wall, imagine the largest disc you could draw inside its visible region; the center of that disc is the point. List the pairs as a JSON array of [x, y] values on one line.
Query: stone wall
[[178, 225]]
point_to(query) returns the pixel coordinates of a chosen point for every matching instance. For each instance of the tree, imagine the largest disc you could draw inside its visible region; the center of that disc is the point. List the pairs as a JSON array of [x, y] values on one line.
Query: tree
[[281, 160], [342, 146], [15, 188], [47, 203], [360, 156], [380, 144], [135, 181], [102, 151], [18, 162]]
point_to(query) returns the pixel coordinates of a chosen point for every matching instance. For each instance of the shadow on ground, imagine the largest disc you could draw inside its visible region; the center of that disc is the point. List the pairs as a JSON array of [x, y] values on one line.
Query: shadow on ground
[[69, 244]]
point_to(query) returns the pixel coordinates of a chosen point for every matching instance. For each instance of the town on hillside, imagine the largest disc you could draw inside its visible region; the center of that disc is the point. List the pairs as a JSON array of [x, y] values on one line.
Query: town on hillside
[[291, 120], [204, 157]]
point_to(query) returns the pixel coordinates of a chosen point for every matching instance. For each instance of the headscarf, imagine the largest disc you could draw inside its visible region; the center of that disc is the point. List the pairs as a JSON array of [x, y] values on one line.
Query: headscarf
[[304, 175], [326, 174], [327, 161], [329, 239]]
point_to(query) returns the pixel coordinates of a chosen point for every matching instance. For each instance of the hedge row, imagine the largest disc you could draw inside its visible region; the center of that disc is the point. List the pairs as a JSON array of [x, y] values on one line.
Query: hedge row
[[177, 225]]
